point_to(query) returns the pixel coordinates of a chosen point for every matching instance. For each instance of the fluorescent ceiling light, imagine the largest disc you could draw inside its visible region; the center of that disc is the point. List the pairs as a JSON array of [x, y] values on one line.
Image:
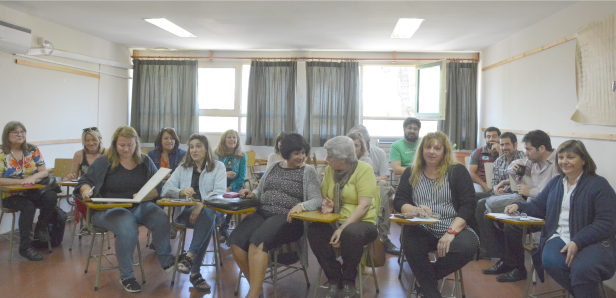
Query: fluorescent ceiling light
[[405, 28], [171, 27]]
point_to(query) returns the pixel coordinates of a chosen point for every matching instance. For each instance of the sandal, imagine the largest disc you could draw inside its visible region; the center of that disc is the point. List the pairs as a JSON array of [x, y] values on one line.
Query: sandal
[[184, 264], [199, 283]]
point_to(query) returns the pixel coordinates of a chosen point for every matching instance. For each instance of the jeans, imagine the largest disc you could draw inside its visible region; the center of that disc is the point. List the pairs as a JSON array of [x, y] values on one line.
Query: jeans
[[203, 228], [384, 212], [591, 265], [124, 223], [27, 205]]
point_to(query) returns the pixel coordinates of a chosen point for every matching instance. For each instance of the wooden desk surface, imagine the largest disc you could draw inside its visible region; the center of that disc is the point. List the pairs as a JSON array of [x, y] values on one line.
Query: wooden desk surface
[[410, 223], [173, 203], [518, 222], [243, 211], [19, 187], [68, 183], [316, 216], [105, 206]]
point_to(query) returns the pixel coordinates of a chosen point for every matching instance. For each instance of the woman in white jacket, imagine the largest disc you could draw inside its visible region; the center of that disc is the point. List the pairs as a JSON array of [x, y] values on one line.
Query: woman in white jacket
[[199, 177]]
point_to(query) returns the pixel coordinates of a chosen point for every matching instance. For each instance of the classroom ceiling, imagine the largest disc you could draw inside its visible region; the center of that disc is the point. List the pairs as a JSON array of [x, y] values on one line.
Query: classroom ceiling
[[297, 25]]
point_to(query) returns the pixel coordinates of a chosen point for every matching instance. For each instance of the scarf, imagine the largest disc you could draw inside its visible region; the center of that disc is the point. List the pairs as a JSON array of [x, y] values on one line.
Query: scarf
[[341, 178]]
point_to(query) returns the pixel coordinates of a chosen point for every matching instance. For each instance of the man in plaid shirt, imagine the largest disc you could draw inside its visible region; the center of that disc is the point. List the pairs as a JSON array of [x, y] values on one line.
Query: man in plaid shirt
[[500, 184]]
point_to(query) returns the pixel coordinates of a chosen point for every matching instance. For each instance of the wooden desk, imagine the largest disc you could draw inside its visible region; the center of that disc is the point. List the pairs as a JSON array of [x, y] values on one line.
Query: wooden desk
[[168, 202], [67, 183], [19, 187], [105, 206], [316, 216], [235, 212], [403, 221], [528, 247]]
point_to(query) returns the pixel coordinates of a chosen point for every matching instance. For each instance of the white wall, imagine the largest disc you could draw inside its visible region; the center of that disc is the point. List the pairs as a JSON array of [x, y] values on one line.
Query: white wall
[[55, 105], [538, 91]]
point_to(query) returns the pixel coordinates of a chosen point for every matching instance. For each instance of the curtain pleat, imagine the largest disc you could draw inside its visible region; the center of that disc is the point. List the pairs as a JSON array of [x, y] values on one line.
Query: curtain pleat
[[332, 100], [164, 95], [460, 122], [271, 101]]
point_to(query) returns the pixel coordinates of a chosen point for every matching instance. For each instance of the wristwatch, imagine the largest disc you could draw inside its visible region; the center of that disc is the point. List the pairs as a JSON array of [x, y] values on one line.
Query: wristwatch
[[452, 231]]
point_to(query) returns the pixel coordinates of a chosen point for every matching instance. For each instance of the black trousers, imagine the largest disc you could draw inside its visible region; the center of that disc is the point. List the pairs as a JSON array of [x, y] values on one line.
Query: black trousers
[[417, 242], [490, 231], [352, 241], [27, 204], [514, 247]]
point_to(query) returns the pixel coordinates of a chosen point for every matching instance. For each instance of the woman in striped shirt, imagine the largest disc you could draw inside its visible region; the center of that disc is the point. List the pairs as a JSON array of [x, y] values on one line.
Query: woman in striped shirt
[[436, 183]]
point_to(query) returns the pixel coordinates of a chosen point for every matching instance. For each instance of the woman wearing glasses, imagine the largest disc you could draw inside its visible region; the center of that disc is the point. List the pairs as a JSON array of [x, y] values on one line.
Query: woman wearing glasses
[[167, 153], [92, 142], [22, 163]]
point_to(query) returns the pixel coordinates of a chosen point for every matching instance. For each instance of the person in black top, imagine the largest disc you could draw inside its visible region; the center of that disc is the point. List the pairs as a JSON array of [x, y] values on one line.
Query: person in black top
[[121, 173], [436, 183]]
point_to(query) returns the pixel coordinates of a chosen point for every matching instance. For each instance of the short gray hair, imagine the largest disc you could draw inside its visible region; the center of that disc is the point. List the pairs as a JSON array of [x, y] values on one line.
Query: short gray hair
[[341, 148]]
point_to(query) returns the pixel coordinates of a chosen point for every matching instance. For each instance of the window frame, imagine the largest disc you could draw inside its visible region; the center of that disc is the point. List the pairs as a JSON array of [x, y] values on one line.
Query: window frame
[[442, 91], [237, 110]]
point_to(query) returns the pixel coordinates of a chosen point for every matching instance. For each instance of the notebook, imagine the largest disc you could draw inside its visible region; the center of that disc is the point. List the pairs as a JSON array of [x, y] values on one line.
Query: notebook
[[143, 192]]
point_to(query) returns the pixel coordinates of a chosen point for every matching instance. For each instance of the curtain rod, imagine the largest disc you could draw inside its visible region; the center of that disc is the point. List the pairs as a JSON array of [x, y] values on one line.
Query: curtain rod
[[301, 58]]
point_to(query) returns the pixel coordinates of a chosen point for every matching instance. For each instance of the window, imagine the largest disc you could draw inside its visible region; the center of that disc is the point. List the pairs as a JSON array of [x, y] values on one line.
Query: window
[[222, 95], [390, 95]]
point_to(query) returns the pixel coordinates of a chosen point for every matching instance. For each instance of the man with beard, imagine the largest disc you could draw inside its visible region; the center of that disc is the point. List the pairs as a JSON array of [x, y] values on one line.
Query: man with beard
[[403, 151], [500, 186], [488, 153]]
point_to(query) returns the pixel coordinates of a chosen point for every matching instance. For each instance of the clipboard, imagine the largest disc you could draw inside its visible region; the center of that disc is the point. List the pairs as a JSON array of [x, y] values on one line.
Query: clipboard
[[143, 192]]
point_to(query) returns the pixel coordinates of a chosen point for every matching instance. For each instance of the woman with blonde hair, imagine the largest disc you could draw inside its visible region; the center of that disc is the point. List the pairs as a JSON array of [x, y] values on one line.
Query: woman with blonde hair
[[230, 153], [121, 173], [92, 141], [436, 183]]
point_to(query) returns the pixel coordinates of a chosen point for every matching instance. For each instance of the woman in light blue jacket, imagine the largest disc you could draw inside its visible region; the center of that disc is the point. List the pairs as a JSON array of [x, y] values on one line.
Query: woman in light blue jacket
[[199, 177]]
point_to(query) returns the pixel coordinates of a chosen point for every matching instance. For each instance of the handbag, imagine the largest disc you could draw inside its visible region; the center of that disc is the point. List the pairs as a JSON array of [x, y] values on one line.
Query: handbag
[[377, 250], [50, 185], [231, 204]]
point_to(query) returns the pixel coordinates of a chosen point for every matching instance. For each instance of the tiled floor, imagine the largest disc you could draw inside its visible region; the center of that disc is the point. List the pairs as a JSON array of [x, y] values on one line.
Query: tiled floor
[[61, 274]]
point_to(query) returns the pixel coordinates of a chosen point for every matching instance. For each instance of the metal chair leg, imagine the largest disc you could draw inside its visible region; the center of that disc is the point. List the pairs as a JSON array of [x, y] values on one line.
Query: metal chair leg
[[12, 239], [177, 255], [237, 285], [318, 283], [140, 262], [217, 256], [70, 248], [100, 257], [90, 254]]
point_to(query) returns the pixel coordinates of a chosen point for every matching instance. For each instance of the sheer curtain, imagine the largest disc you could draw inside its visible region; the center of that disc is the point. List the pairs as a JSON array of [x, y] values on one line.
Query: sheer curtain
[[332, 100], [460, 122], [164, 95], [271, 101]]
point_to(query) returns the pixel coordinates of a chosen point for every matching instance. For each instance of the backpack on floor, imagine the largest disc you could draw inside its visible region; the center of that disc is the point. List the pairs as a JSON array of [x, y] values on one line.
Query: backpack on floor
[[56, 231]]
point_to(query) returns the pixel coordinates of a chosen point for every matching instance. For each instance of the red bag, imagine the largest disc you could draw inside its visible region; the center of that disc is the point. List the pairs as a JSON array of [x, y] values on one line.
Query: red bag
[[231, 194]]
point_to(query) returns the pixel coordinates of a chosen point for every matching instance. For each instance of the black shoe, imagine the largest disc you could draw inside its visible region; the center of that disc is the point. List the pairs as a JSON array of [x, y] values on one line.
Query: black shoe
[[348, 290], [390, 248], [332, 291], [499, 268], [512, 276], [224, 235], [130, 285], [42, 235], [31, 254]]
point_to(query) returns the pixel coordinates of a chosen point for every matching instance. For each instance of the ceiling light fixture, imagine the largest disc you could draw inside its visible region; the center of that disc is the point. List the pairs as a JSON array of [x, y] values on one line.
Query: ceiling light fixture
[[405, 28], [171, 27]]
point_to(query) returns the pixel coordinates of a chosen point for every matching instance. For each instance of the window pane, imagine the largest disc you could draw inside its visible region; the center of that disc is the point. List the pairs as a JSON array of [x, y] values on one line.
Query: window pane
[[388, 91], [217, 124], [243, 125], [245, 78], [393, 128], [429, 90], [217, 88]]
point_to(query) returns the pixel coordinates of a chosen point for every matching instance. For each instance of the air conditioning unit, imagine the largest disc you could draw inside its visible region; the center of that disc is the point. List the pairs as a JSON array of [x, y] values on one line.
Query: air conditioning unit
[[14, 39]]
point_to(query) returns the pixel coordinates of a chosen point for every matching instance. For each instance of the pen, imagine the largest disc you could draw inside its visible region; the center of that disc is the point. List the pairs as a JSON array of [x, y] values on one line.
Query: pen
[[91, 191]]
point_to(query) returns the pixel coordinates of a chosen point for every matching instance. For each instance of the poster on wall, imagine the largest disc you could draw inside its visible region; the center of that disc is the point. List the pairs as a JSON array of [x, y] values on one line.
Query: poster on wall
[[595, 67]]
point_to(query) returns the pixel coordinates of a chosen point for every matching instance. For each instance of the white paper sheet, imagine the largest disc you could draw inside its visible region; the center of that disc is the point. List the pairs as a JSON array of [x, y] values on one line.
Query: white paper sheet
[[418, 219], [505, 216], [143, 192]]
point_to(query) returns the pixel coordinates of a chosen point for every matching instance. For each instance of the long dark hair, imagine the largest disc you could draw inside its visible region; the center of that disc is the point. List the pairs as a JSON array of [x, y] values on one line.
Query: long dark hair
[[158, 143], [209, 161]]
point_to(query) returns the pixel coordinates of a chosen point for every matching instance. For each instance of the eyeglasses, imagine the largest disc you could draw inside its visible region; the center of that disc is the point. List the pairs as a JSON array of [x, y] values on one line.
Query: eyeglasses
[[93, 128], [16, 133], [167, 128]]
